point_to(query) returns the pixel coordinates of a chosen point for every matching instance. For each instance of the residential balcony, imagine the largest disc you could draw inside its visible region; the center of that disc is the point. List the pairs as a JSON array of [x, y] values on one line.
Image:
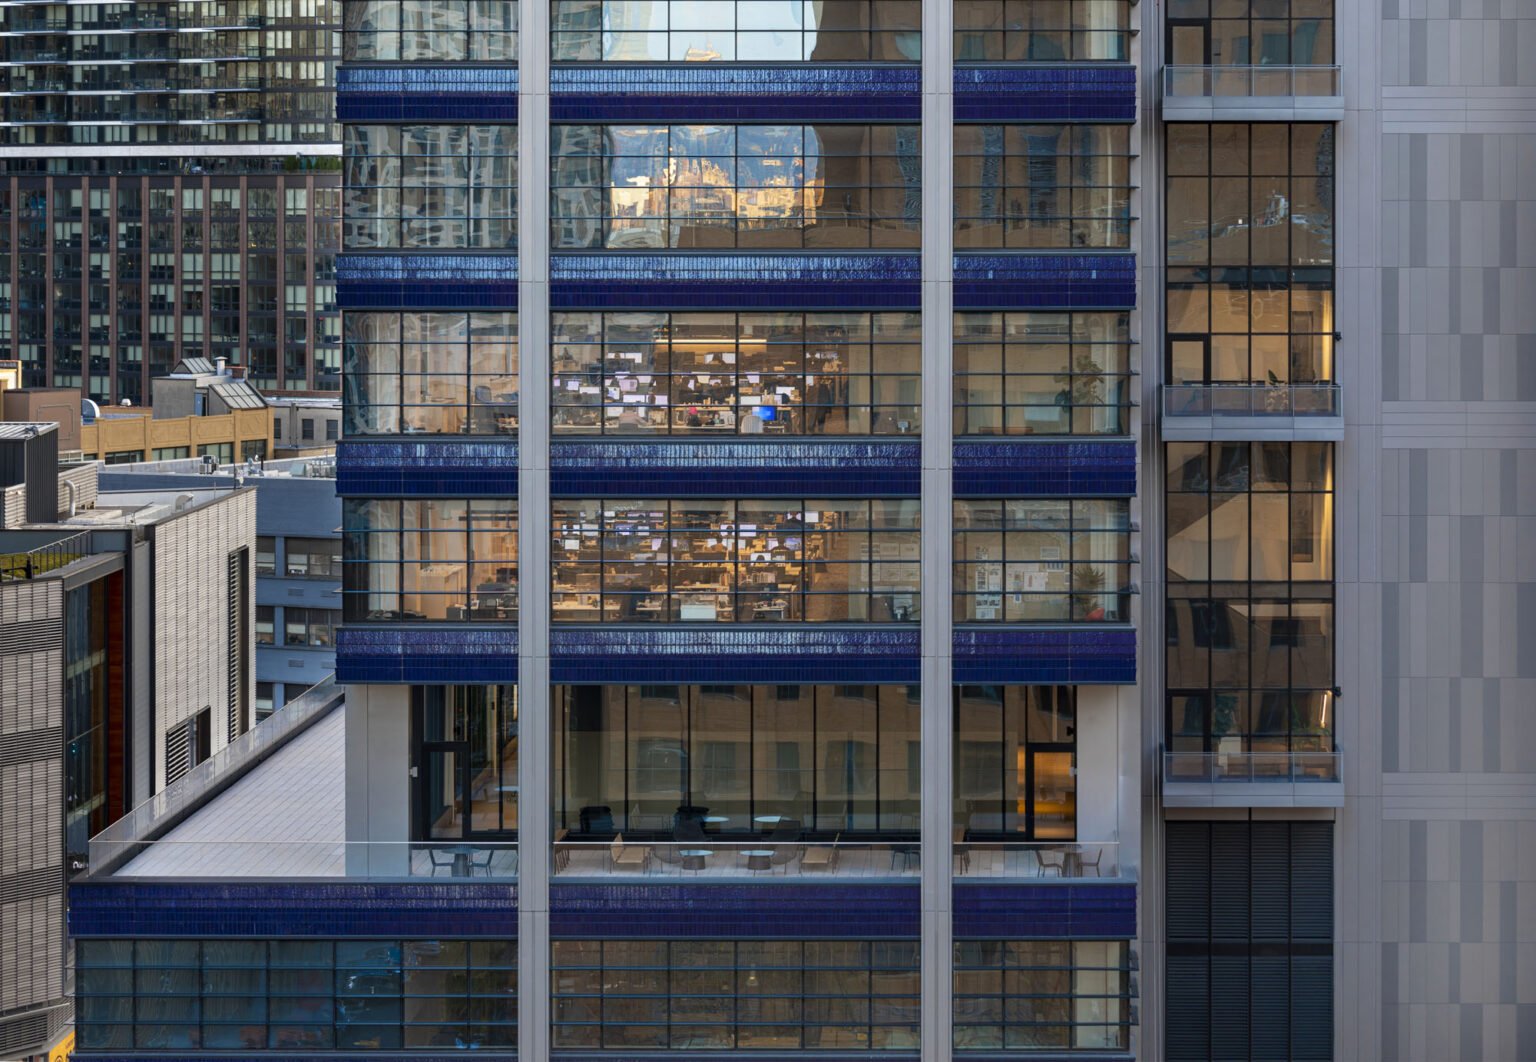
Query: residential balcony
[[1281, 779], [1252, 94], [1300, 412]]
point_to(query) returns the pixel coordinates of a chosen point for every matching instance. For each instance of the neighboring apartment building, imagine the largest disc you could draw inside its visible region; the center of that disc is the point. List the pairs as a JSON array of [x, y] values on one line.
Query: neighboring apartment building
[[305, 427], [125, 657], [828, 741], [168, 190], [298, 560]]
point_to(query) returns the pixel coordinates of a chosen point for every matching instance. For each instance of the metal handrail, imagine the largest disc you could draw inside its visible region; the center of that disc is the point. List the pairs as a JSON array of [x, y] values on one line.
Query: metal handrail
[[1195, 82], [46, 558]]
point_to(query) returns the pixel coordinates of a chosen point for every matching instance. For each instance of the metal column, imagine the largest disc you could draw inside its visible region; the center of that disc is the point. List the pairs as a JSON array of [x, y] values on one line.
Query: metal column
[[534, 729], [937, 961]]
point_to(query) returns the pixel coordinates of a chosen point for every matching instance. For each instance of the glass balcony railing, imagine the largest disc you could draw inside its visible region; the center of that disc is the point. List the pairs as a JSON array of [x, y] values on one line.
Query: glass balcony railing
[[1281, 766], [1251, 400], [1194, 82]]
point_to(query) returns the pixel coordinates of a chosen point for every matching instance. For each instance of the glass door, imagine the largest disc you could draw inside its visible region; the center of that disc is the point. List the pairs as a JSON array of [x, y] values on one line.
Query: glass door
[[1189, 42], [1052, 789], [440, 792]]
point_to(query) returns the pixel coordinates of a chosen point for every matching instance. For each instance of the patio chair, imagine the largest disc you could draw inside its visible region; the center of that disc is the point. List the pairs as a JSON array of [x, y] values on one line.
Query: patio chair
[[1085, 863], [440, 857], [1052, 859], [628, 857], [821, 857]]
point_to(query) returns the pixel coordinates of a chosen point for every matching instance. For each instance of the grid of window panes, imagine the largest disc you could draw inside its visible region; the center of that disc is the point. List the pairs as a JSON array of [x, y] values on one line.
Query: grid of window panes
[[1016, 766], [434, 31], [315, 627], [745, 186], [735, 561], [1042, 373], [295, 995], [1042, 995], [803, 763], [1250, 253], [119, 277], [817, 31], [429, 559], [464, 743], [1250, 617], [314, 558], [431, 373], [1042, 560], [1042, 31], [1039, 186], [826, 995], [430, 186], [736, 373], [1251, 33]]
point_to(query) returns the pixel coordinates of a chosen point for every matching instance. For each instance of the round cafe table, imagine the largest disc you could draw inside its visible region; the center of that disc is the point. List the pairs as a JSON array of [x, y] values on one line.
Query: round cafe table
[[693, 858], [758, 858]]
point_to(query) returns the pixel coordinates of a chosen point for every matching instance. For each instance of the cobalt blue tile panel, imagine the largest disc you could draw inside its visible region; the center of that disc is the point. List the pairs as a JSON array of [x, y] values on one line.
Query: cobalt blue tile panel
[[685, 281], [427, 654], [734, 655], [1045, 281], [744, 468], [449, 468], [427, 281], [126, 908], [425, 94], [1053, 469], [729, 92], [1026, 656], [784, 911], [1097, 93], [1020, 911]]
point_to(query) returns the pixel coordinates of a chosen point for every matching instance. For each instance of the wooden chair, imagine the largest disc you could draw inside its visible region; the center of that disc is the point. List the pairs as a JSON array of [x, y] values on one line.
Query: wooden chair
[[821, 857], [628, 857]]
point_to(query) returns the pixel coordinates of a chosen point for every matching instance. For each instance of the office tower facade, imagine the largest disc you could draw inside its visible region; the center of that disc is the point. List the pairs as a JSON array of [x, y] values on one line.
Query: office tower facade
[[169, 189], [1011, 692]]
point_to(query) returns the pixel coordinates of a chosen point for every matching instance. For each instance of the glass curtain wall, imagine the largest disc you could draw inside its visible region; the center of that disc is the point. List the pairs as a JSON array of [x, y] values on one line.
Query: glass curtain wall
[[813, 31], [716, 374], [1250, 623], [822, 761], [1042, 31], [735, 561], [1042, 186], [1042, 373], [632, 187], [431, 373], [1250, 253], [438, 31], [429, 559], [1016, 763], [1039, 995], [464, 742], [1250, 32], [1050, 560]]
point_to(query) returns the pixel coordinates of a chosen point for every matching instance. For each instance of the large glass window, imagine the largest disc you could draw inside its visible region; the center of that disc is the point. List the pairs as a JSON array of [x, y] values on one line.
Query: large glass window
[[1042, 994], [1042, 560], [315, 558], [430, 186], [292, 996], [465, 752], [749, 186], [1032, 186], [1016, 762], [817, 31], [1250, 32], [431, 373], [480, 31], [736, 373], [1042, 373], [1250, 622], [735, 561], [818, 760], [1250, 253], [1042, 31], [826, 995], [429, 559]]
